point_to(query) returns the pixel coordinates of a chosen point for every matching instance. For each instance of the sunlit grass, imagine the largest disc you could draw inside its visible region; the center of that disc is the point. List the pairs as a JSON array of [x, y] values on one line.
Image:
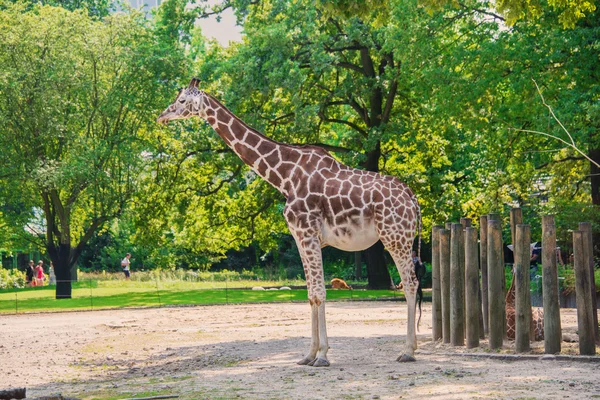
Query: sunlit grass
[[91, 294]]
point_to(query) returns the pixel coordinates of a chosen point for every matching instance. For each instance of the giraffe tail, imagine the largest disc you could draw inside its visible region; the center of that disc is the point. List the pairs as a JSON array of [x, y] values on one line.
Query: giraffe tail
[[419, 231], [420, 225], [420, 295]]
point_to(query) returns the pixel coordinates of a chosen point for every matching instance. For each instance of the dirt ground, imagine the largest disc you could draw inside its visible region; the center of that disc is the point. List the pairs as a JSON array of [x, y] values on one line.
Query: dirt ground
[[249, 351]]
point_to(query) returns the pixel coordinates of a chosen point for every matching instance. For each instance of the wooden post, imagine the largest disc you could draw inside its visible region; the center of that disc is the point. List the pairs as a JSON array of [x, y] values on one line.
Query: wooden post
[[444, 235], [586, 228], [497, 323], [483, 225], [494, 217], [497, 217], [448, 225], [522, 294], [472, 287], [465, 223], [552, 329], [516, 218], [436, 293], [457, 286], [585, 320]]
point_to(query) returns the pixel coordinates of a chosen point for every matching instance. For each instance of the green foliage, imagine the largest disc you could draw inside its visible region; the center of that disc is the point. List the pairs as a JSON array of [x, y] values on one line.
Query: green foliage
[[12, 278], [78, 99], [568, 12]]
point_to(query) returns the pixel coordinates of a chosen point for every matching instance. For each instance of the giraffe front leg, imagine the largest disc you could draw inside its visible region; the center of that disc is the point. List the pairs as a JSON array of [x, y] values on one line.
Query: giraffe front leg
[[323, 346], [310, 252], [314, 340]]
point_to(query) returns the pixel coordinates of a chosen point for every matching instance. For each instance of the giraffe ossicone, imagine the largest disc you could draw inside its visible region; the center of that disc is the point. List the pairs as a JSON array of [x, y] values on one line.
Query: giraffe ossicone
[[327, 204]]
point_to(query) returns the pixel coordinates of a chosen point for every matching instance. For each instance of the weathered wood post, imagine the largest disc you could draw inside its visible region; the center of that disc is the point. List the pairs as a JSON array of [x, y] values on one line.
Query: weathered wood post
[[436, 300], [586, 228], [494, 217], [448, 226], [516, 218], [472, 287], [552, 328], [465, 223], [585, 320], [444, 235], [497, 323], [457, 286], [484, 271], [522, 294]]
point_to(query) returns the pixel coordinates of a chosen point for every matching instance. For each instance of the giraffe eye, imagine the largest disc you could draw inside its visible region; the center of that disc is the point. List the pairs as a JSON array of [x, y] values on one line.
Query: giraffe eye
[[182, 101]]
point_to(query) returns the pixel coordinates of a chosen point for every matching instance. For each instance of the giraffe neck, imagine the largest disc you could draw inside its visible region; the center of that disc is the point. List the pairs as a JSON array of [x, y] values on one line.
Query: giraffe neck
[[267, 158], [510, 295]]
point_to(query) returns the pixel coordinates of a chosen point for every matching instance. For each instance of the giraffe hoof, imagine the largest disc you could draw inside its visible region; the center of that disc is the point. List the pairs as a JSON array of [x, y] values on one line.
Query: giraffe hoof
[[405, 358], [320, 362], [306, 361]]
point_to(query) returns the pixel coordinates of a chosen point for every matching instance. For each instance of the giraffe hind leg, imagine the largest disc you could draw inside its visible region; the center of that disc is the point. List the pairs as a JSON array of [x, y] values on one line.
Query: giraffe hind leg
[[405, 267]]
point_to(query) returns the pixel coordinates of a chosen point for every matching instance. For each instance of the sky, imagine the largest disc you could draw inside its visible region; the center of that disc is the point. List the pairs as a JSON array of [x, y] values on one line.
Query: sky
[[224, 31]]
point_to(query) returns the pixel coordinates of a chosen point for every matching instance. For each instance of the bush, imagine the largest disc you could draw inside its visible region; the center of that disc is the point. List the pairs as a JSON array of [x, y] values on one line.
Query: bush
[[12, 278]]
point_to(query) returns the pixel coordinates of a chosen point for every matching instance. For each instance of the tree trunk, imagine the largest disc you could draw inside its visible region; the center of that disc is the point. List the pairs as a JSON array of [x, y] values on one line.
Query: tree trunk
[[61, 259], [377, 272], [595, 183], [357, 265], [595, 176]]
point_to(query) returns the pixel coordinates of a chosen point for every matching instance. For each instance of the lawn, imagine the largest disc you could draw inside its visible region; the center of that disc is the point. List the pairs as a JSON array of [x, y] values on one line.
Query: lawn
[[110, 294]]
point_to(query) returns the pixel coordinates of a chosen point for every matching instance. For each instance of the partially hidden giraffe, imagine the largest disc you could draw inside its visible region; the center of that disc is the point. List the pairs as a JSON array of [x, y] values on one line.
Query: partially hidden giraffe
[[327, 204], [537, 316]]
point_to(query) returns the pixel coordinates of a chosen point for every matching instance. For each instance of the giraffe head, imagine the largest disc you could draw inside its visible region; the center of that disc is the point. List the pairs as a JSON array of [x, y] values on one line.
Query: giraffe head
[[189, 102]]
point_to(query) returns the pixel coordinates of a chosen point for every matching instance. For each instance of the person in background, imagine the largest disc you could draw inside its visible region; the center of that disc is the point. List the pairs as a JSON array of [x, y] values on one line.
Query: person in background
[[125, 265], [534, 260], [39, 274], [559, 259], [29, 272], [52, 275]]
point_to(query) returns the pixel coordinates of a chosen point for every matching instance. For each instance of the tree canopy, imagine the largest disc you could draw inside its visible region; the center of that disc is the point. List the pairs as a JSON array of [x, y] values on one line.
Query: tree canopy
[[450, 97]]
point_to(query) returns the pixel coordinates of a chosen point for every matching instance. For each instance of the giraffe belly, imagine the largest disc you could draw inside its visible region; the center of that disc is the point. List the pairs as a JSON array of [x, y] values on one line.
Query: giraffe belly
[[349, 238]]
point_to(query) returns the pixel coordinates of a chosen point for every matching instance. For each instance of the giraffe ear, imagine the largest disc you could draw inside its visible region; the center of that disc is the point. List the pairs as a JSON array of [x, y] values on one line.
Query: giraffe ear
[[194, 82]]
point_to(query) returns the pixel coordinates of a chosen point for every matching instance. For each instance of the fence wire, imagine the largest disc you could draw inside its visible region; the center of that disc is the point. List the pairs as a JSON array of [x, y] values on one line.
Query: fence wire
[[91, 294]]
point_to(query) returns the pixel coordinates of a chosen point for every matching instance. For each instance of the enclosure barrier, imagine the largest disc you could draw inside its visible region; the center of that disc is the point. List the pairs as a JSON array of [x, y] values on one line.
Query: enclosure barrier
[[586, 228], [585, 319], [457, 286], [552, 327], [445, 280], [484, 272], [523, 335], [436, 309], [497, 324], [90, 296], [473, 310], [470, 309]]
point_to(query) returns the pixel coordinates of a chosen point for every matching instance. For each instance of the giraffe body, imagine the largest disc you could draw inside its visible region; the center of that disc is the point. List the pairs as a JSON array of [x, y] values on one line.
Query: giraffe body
[[537, 316], [327, 204]]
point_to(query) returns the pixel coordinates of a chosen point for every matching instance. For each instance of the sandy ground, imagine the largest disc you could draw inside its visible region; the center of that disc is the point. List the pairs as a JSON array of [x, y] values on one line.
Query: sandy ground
[[249, 351]]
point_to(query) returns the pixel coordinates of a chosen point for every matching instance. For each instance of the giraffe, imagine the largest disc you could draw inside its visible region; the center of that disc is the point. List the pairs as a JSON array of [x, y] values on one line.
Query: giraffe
[[327, 204], [537, 315]]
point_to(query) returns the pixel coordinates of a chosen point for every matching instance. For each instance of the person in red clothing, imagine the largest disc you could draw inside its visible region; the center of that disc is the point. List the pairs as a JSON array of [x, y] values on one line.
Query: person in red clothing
[[39, 274]]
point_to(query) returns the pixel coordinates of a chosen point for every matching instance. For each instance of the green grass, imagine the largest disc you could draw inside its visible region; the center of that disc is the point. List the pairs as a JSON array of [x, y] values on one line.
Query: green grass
[[109, 294]]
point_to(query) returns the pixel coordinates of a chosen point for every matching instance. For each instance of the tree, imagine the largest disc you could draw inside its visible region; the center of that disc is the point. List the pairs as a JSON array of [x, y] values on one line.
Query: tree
[[78, 100]]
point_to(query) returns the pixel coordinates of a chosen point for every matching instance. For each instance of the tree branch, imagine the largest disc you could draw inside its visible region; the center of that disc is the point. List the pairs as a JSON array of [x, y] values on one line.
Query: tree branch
[[570, 158], [571, 143]]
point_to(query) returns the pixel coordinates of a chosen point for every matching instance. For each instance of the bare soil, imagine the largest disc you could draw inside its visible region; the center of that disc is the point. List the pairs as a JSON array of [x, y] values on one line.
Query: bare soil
[[249, 351]]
